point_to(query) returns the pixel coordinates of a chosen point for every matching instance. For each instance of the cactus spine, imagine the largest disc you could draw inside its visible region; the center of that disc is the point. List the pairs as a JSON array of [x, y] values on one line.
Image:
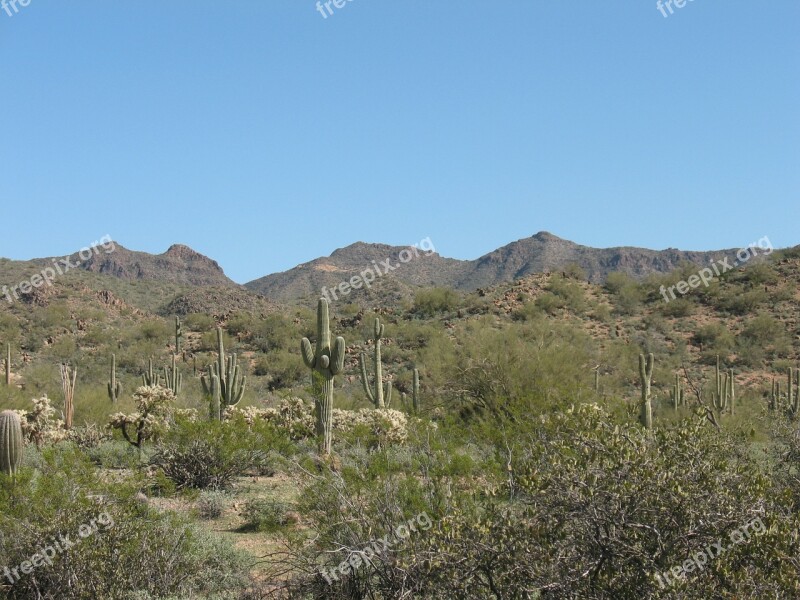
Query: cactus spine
[[114, 386], [10, 442], [327, 361], [415, 391], [224, 379], [375, 395], [178, 334], [68, 378], [8, 364], [150, 377], [677, 393], [646, 376], [173, 377]]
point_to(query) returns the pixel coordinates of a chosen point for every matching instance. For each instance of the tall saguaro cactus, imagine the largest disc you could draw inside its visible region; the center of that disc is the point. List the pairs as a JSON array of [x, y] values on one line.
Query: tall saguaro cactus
[[114, 386], [677, 393], [375, 393], [325, 360], [68, 378], [415, 391], [173, 378], [8, 364], [10, 442], [224, 381], [178, 334], [730, 393], [646, 375]]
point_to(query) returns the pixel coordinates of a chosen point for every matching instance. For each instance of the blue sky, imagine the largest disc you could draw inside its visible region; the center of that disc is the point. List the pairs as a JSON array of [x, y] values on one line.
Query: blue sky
[[264, 135]]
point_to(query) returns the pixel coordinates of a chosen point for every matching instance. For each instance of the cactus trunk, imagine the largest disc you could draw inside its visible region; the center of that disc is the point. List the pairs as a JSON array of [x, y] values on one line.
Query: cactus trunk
[[10, 442], [114, 387], [8, 364], [646, 376]]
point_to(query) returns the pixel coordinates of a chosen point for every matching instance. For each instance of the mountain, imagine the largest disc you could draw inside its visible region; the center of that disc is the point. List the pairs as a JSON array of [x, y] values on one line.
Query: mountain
[[541, 253], [179, 264]]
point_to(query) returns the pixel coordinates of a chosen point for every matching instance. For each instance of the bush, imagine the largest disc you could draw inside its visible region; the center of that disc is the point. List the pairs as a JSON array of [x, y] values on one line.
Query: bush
[[211, 504], [265, 515], [119, 546], [430, 302], [209, 455]]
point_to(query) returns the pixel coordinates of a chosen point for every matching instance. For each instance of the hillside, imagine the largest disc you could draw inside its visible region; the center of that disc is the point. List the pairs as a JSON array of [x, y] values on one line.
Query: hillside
[[541, 253]]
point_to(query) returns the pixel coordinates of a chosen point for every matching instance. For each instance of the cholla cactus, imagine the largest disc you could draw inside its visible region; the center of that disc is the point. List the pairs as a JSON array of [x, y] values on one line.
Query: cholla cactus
[[38, 424], [326, 361], [10, 442], [154, 407]]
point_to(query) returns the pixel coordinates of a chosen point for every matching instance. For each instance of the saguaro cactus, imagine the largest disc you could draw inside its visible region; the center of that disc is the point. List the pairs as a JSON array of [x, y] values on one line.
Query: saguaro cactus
[[677, 393], [326, 361], [173, 378], [114, 386], [10, 442], [415, 391], [646, 375], [722, 388], [68, 378], [730, 391], [178, 334], [375, 393], [151, 376], [793, 396], [223, 381], [8, 364]]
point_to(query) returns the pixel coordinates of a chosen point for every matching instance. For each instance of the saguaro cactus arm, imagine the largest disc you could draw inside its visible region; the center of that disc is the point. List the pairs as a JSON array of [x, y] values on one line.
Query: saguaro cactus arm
[[114, 386]]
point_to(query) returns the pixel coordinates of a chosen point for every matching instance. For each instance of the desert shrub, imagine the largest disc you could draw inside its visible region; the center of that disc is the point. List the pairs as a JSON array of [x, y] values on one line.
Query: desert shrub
[[88, 436], [209, 455], [117, 544], [113, 454], [264, 514], [549, 303], [199, 322], [678, 308], [211, 504], [713, 339], [432, 301], [574, 271], [570, 292], [274, 332], [284, 369], [740, 302], [208, 341]]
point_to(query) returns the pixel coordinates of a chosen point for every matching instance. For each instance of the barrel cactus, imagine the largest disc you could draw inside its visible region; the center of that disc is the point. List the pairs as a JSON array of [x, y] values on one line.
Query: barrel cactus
[[10, 442]]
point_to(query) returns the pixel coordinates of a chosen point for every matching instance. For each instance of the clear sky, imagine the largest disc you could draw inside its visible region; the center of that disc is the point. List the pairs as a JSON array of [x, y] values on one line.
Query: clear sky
[[264, 135]]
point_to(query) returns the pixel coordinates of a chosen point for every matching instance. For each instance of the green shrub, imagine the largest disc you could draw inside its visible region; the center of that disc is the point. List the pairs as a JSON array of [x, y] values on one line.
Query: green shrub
[[211, 504], [265, 515], [432, 301], [128, 548], [209, 455]]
